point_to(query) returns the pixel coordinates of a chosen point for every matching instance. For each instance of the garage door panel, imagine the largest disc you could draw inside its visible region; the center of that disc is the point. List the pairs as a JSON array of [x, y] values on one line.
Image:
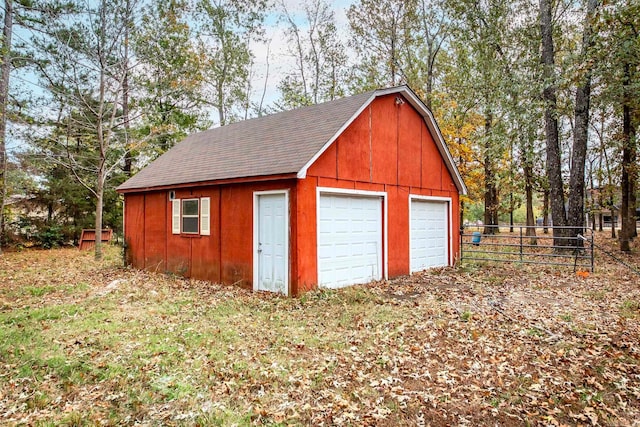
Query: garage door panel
[[429, 234], [349, 240]]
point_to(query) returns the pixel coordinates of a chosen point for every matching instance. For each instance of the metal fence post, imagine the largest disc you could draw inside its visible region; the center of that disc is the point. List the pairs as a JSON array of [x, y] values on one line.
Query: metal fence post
[[521, 243], [593, 236], [461, 249]]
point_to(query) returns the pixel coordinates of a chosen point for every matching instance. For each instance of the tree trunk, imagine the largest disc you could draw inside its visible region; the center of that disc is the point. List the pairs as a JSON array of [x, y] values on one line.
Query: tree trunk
[[429, 85], [510, 212], [528, 190], [101, 149], [490, 188], [627, 182], [633, 179], [220, 97], [128, 159], [100, 180], [545, 211], [581, 132], [99, 201], [554, 168], [600, 221], [4, 99]]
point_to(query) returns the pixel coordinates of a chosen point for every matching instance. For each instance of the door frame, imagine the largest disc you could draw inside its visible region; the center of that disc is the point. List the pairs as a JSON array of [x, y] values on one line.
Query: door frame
[[449, 241], [256, 231], [362, 193]]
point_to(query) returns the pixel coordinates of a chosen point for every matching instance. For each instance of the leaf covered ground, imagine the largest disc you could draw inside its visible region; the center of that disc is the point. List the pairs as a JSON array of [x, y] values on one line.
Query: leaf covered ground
[[86, 343]]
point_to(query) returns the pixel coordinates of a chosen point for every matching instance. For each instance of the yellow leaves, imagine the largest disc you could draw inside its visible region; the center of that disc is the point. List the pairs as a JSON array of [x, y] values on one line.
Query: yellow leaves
[[461, 130]]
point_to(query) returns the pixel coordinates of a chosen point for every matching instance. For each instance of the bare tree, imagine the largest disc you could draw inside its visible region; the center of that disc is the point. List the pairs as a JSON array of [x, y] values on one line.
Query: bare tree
[[320, 57], [86, 67], [225, 30], [382, 32]]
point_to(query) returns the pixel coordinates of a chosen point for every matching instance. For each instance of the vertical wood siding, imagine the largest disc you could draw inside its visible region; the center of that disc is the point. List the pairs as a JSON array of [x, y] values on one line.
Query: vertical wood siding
[[223, 256]]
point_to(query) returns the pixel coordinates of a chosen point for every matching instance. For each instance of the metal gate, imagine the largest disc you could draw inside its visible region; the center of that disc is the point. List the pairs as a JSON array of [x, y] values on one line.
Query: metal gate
[[539, 247]]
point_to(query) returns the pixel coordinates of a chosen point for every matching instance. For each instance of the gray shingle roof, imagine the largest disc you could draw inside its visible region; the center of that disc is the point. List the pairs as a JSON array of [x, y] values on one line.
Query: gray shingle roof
[[277, 144]]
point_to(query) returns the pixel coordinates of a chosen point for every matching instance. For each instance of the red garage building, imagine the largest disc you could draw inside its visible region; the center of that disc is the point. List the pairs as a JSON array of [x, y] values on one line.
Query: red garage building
[[353, 190]]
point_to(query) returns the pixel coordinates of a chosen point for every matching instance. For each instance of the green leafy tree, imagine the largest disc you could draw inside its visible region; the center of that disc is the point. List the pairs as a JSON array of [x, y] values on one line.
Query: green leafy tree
[[430, 30], [481, 30], [619, 68], [225, 30], [576, 211], [169, 75], [5, 73], [382, 35], [553, 163], [29, 16]]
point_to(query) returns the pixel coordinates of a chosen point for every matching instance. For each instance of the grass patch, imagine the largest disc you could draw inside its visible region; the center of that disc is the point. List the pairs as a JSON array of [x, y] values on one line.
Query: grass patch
[[567, 318], [36, 291], [630, 308]]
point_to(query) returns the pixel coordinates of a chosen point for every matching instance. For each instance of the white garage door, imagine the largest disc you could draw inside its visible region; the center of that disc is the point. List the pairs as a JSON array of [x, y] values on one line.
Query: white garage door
[[429, 234], [349, 240]]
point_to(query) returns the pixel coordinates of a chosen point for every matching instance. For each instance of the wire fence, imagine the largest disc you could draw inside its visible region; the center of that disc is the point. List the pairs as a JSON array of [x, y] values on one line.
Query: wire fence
[[528, 245]]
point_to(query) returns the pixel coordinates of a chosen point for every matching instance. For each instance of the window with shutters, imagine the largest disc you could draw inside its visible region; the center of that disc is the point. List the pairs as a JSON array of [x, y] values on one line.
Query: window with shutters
[[191, 216]]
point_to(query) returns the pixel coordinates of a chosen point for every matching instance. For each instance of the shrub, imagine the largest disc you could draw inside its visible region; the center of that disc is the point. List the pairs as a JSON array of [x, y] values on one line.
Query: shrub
[[50, 237]]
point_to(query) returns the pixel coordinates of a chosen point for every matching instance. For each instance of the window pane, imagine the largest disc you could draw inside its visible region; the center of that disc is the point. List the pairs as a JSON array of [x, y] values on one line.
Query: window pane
[[189, 225], [189, 207]]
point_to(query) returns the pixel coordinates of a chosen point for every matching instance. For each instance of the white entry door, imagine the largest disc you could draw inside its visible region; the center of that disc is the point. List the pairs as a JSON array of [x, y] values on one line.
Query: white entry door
[[272, 243], [429, 234], [349, 240]]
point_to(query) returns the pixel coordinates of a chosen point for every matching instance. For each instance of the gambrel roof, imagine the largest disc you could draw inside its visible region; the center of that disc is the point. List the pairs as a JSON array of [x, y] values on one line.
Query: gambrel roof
[[282, 144]]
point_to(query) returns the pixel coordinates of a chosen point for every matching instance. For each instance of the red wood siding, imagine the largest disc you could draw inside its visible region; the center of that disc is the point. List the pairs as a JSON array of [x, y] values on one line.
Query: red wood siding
[[388, 147], [134, 229], [155, 237], [306, 275], [385, 137], [224, 256]]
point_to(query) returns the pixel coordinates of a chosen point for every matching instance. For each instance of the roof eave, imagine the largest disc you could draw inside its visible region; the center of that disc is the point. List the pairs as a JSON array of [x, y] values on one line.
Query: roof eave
[[238, 180]]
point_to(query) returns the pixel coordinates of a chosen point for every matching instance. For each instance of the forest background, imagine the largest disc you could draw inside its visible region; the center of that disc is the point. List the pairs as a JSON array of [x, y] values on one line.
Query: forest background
[[539, 102]]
